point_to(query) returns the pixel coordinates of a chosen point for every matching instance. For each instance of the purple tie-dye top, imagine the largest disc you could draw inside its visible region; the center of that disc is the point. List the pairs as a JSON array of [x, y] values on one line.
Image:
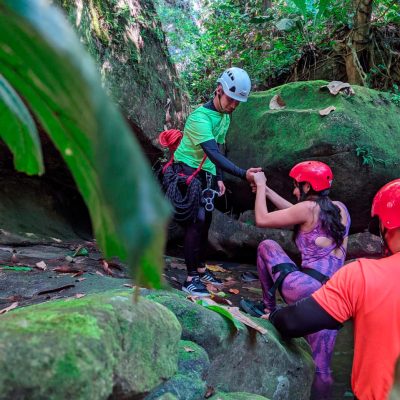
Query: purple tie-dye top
[[320, 258]]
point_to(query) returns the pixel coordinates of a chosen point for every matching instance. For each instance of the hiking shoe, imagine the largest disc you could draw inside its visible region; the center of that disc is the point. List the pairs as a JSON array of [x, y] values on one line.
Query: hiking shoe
[[253, 308], [209, 277], [195, 287]]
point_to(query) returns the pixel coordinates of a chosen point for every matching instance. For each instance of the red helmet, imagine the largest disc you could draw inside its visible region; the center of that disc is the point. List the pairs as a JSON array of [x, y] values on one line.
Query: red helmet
[[316, 173], [386, 205]]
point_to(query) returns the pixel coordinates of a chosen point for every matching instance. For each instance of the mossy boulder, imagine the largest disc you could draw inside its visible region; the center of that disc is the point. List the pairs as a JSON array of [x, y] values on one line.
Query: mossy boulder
[[189, 382], [359, 140], [98, 347], [127, 41], [243, 360]]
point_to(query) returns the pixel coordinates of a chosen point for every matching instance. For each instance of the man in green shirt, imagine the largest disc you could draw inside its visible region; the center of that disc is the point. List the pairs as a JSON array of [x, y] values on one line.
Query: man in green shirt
[[204, 131]]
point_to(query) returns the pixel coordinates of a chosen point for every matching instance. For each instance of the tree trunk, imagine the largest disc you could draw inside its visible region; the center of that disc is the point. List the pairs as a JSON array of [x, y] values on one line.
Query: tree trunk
[[265, 5], [358, 41]]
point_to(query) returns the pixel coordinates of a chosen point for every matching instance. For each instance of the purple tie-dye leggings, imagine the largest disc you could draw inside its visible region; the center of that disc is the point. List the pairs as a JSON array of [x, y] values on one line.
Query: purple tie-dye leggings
[[297, 286]]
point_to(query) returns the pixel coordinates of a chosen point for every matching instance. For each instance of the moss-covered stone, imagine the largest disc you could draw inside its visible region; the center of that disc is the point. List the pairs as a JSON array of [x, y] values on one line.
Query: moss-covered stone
[[243, 360], [189, 382], [278, 139], [87, 348], [127, 41]]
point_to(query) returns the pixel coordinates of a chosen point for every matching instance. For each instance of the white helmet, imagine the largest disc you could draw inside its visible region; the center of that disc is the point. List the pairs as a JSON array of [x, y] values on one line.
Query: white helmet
[[235, 83]]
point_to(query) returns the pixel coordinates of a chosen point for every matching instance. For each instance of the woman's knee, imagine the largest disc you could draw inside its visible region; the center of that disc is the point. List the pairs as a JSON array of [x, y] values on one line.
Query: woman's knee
[[268, 246]]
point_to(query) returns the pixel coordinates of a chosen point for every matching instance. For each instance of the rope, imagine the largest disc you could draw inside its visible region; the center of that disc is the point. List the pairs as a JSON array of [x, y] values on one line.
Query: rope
[[184, 197]]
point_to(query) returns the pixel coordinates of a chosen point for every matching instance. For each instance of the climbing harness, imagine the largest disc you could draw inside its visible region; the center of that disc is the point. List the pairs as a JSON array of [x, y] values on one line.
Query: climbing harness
[[185, 197], [286, 268], [183, 191]]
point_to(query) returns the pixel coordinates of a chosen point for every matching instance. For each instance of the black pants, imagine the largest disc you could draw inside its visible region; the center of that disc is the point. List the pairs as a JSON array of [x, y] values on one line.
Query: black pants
[[196, 232]]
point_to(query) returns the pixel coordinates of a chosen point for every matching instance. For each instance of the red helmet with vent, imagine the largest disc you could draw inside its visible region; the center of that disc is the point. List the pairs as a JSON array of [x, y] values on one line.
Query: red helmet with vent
[[386, 205], [170, 138], [316, 173]]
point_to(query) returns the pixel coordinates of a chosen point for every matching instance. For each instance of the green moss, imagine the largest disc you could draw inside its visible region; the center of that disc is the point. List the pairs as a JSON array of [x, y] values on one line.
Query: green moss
[[67, 368], [96, 15], [298, 127]]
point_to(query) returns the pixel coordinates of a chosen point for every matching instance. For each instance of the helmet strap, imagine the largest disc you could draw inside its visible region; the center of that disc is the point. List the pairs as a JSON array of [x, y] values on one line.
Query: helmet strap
[[385, 248], [220, 108]]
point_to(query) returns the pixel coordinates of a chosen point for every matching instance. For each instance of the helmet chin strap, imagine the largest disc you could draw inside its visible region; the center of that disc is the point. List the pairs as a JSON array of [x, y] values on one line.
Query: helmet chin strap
[[385, 248], [221, 109]]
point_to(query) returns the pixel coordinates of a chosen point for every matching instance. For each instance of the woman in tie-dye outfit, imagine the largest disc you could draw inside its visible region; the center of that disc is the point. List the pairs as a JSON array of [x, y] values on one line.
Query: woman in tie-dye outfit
[[321, 230]]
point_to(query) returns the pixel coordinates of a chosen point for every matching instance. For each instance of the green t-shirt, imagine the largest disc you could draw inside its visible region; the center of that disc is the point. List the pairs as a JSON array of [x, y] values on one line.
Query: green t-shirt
[[202, 125]]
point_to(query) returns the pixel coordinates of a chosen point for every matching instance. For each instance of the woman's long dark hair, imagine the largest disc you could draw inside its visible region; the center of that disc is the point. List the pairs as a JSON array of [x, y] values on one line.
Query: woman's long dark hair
[[330, 217]]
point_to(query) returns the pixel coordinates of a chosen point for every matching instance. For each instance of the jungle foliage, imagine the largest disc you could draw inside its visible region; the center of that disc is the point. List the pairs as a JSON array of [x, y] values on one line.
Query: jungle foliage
[[282, 41], [48, 83]]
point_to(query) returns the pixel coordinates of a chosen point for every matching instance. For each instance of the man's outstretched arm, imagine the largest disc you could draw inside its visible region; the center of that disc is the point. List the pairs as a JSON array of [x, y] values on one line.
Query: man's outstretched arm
[[302, 318]]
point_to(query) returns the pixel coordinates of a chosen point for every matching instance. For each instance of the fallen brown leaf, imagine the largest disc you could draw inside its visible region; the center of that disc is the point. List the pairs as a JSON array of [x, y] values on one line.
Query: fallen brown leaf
[[253, 289], [81, 279], [79, 295], [210, 392], [9, 308], [78, 274], [66, 269], [327, 110], [216, 268], [246, 320], [220, 300], [188, 349], [113, 264], [99, 273], [234, 291], [106, 269], [57, 289], [277, 103], [230, 282], [336, 87], [41, 265]]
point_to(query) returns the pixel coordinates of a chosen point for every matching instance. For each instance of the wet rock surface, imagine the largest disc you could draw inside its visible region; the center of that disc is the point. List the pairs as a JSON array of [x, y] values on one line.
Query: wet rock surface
[[85, 275]]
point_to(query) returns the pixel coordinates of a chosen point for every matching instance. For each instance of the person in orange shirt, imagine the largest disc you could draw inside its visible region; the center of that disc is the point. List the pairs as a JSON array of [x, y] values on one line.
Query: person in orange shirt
[[368, 291]]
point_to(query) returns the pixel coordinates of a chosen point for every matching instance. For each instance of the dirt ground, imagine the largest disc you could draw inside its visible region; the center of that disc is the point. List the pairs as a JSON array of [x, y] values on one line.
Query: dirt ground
[[36, 273]]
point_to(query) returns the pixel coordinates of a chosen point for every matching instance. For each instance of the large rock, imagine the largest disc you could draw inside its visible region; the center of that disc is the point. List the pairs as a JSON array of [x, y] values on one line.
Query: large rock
[[188, 383], [126, 39], [239, 239], [367, 123], [97, 347], [244, 361]]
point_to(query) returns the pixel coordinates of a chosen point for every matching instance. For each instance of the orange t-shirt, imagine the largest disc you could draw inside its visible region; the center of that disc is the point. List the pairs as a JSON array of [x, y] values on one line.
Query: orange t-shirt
[[369, 292]]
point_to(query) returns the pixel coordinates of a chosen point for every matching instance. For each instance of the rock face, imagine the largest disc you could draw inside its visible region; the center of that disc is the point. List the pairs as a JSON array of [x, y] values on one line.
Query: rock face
[[106, 346], [239, 239], [244, 361], [358, 140], [126, 40], [98, 347]]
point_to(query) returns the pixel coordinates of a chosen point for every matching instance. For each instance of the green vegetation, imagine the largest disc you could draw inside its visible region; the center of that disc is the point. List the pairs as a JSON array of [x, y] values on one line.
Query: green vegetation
[[282, 41], [46, 76]]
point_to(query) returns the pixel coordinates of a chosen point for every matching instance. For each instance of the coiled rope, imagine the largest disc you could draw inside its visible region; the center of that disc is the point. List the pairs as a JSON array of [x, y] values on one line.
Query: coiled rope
[[184, 197]]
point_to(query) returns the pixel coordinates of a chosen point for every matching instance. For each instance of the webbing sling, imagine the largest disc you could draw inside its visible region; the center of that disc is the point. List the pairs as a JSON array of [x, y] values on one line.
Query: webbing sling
[[322, 278], [286, 268]]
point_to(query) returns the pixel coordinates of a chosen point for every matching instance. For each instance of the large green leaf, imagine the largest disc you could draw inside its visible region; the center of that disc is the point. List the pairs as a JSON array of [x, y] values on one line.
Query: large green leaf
[[43, 60], [18, 130], [322, 6], [301, 5]]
